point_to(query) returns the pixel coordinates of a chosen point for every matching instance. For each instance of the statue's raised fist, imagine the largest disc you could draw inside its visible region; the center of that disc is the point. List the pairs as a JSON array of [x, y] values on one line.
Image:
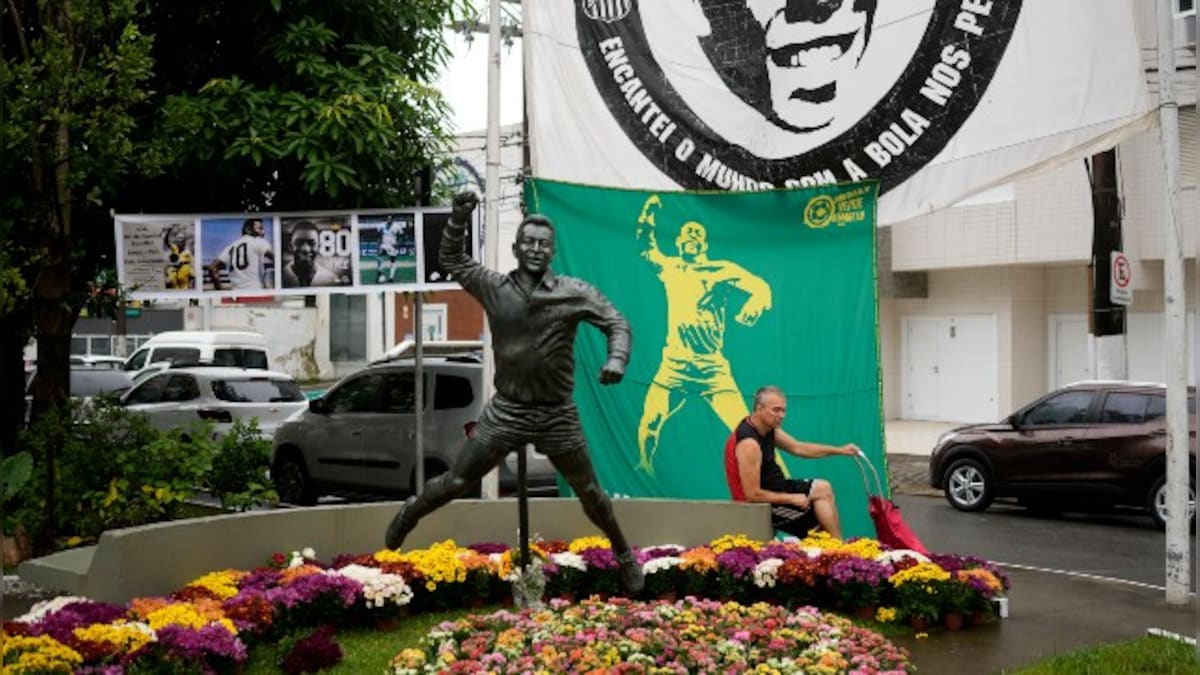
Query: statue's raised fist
[[464, 204]]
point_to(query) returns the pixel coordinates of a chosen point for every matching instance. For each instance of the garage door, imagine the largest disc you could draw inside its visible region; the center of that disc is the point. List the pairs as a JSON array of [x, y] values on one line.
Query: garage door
[[950, 369]]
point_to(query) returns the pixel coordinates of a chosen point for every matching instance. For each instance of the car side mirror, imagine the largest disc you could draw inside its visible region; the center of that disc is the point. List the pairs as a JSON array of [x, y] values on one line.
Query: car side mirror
[[1013, 420], [318, 406]]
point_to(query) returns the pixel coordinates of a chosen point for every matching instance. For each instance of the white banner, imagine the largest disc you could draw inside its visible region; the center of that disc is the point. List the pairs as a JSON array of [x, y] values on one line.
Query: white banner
[[255, 255], [936, 99]]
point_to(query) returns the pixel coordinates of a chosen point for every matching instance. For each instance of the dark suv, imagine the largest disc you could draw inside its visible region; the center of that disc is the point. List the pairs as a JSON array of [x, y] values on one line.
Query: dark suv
[[1087, 445]]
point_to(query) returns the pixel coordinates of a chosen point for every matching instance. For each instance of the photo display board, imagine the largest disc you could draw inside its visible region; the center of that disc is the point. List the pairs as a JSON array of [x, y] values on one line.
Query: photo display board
[[286, 253]]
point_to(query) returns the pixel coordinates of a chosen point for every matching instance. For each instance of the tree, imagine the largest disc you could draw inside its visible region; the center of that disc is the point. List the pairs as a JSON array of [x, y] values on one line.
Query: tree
[[231, 105], [295, 105], [72, 73]]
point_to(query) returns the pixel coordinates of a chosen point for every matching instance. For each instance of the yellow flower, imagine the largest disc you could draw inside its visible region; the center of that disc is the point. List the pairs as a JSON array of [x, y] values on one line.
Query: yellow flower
[[584, 543], [729, 541], [124, 637], [919, 573], [41, 654], [222, 584], [922, 635], [885, 614]]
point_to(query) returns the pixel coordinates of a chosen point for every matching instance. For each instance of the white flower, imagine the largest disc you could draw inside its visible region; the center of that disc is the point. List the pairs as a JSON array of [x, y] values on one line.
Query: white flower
[[46, 607], [766, 571], [309, 553], [660, 564], [900, 554], [379, 587], [568, 559]]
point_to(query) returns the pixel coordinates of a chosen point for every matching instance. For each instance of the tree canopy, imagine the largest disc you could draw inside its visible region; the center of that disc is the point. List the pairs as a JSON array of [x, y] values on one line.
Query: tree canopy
[[212, 105]]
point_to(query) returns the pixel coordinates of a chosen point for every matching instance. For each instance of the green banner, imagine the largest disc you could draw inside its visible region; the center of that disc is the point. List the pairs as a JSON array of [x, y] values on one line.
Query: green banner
[[725, 292]]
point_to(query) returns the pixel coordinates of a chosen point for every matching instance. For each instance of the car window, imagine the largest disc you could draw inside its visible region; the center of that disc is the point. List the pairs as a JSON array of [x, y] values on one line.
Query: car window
[[256, 390], [177, 354], [181, 387], [1124, 408], [401, 393], [138, 359], [358, 395], [1158, 406], [241, 358], [92, 382], [1069, 407], [149, 391], [452, 391]]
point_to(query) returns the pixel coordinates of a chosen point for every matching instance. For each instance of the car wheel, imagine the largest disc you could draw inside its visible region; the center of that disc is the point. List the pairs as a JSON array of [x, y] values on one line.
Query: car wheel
[[968, 485], [291, 481], [1156, 501]]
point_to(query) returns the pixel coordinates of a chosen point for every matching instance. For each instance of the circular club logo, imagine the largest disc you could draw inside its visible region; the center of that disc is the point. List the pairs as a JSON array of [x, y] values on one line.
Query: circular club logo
[[759, 94]]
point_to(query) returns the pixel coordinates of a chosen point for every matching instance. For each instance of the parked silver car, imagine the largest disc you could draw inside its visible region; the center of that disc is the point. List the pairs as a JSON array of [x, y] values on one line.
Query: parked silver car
[[360, 436], [178, 396]]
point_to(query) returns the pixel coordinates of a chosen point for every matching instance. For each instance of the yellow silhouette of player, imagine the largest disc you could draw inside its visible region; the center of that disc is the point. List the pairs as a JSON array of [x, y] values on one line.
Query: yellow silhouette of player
[[699, 294]]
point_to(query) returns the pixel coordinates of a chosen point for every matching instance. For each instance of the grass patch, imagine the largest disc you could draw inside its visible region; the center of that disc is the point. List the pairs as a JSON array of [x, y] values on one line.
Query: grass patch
[[1148, 655], [366, 650]]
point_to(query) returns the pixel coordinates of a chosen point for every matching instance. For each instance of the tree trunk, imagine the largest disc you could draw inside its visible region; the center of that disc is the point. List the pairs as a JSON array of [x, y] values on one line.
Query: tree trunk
[[13, 338], [55, 320]]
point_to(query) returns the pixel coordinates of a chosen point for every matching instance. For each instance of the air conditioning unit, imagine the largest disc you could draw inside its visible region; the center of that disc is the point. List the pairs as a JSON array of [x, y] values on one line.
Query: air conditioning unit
[[1185, 23], [1185, 30]]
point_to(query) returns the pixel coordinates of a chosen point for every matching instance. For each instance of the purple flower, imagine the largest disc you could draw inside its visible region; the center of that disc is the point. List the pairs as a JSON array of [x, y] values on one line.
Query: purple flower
[[857, 570], [779, 550], [308, 588], [261, 579], [313, 653], [599, 558], [489, 547], [738, 561], [191, 645], [61, 624], [658, 552]]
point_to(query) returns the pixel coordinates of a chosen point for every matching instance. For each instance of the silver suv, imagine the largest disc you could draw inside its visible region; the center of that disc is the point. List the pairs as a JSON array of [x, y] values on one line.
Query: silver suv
[[360, 435]]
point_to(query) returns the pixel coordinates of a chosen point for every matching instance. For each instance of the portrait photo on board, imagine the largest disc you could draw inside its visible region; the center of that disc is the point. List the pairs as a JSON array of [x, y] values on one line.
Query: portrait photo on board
[[316, 251], [238, 253], [387, 249], [432, 228]]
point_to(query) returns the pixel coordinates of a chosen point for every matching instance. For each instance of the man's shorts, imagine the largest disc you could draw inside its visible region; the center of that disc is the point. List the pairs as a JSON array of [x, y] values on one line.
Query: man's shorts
[[791, 519], [699, 374], [553, 429]]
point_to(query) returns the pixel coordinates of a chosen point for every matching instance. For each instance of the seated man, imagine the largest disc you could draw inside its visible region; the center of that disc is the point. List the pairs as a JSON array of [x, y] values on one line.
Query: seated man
[[797, 506]]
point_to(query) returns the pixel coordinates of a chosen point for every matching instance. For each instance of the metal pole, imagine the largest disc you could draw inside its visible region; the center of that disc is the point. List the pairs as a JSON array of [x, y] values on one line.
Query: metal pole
[[523, 504], [1195, 141], [419, 388], [490, 486], [1175, 335]]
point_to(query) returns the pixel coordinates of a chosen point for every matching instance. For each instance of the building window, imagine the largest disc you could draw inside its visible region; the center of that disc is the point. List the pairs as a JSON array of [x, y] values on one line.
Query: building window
[[347, 327]]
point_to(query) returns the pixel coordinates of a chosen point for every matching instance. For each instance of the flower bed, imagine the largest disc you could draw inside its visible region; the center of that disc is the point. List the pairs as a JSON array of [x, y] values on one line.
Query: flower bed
[[209, 625], [687, 636]]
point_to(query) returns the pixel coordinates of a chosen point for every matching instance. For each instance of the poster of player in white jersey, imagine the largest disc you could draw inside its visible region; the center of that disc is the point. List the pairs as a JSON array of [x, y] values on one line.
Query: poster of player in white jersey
[[387, 249], [238, 253], [316, 251]]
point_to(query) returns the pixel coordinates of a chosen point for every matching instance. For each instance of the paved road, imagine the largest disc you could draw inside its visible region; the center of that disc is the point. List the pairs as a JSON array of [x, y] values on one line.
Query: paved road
[[1123, 546]]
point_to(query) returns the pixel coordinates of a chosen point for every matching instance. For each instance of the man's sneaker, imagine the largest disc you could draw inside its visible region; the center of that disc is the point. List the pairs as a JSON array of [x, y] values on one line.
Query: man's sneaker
[[631, 572], [399, 528]]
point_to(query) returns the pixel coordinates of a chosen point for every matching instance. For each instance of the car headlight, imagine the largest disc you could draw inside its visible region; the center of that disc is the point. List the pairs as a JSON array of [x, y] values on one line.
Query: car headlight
[[945, 438]]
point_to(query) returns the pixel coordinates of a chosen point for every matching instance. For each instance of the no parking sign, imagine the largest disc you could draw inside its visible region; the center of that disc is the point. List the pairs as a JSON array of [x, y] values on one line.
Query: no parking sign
[[1120, 286]]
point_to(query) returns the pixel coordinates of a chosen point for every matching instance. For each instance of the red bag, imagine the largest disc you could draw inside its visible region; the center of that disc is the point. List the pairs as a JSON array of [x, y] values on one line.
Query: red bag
[[890, 527]]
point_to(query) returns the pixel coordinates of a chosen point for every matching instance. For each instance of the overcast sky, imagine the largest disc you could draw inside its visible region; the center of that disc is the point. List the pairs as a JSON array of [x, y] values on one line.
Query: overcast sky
[[464, 83]]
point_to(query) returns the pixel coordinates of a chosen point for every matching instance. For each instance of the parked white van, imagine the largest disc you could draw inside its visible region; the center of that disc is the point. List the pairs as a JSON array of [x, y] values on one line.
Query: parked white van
[[240, 349]]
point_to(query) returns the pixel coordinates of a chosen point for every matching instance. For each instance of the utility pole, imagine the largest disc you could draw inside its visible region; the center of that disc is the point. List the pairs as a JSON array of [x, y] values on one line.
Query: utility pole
[[1175, 334], [490, 486], [1106, 321]]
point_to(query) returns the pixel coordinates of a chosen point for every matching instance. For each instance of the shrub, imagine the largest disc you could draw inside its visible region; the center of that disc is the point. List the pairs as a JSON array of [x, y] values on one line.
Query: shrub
[[239, 469], [113, 468]]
